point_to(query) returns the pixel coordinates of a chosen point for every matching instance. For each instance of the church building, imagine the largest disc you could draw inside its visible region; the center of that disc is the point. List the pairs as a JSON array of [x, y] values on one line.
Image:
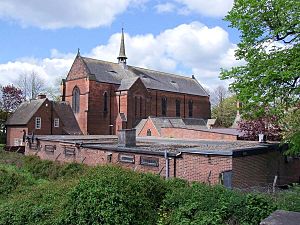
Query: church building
[[106, 97]]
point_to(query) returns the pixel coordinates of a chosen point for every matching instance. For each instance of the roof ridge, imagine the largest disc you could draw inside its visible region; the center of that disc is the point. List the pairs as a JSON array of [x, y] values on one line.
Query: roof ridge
[[167, 73]]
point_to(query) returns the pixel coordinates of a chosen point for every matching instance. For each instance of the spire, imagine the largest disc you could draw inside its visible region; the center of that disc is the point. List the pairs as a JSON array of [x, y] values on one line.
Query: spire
[[122, 56]]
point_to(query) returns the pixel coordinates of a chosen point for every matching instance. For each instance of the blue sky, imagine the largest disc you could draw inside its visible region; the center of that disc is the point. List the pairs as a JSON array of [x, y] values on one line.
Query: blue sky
[[179, 36]]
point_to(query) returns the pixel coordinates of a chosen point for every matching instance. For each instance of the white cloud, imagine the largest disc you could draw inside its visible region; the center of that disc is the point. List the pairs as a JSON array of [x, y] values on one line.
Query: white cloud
[[64, 13], [186, 49], [211, 8], [165, 7], [50, 69]]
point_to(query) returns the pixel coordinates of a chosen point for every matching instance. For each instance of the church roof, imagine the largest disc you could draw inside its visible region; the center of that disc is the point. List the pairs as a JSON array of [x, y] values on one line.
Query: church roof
[[114, 73]]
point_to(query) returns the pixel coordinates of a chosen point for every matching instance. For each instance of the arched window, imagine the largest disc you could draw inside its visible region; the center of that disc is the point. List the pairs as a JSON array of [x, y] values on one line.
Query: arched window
[[177, 108], [135, 105], [76, 99], [105, 102], [190, 108], [141, 106], [164, 106]]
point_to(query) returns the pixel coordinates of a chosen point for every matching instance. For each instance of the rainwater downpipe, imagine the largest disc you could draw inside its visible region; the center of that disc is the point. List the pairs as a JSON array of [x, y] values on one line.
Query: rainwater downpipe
[[167, 164]]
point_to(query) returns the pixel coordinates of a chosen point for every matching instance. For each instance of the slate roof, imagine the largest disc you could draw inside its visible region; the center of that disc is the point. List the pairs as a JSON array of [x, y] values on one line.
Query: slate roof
[[25, 112], [66, 115], [127, 83], [114, 73]]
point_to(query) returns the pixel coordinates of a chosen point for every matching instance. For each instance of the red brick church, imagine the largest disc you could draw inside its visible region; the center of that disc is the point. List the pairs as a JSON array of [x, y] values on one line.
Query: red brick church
[[106, 97]]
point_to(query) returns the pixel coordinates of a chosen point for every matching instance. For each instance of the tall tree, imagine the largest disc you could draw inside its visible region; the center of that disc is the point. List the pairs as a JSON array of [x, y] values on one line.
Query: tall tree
[[31, 84], [270, 45], [268, 84]]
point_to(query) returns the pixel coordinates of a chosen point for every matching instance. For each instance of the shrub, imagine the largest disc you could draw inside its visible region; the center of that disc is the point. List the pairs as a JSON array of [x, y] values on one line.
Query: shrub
[[202, 204], [11, 178], [40, 204], [111, 195]]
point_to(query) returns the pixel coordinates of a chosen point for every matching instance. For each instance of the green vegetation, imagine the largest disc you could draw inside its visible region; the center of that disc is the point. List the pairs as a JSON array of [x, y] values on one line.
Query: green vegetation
[[43, 192], [268, 84]]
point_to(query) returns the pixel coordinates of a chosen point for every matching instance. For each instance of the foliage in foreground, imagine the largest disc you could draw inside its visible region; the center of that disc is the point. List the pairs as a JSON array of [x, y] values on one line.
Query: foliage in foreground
[[111, 195]]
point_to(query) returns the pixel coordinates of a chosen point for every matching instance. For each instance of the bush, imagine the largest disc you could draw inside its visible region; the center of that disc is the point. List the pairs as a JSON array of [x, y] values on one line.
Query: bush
[[202, 204], [111, 195], [11, 179], [41, 204], [45, 169]]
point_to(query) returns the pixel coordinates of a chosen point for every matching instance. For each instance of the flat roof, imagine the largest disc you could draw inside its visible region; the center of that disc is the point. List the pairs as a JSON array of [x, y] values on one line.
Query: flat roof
[[158, 145]]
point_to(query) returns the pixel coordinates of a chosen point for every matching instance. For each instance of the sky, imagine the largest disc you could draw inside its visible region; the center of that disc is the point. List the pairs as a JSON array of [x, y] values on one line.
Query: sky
[[185, 37]]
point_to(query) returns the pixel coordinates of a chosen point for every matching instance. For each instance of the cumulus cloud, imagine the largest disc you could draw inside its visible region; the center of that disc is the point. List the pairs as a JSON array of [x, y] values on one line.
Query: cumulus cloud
[[186, 49], [68, 13], [210, 8], [50, 69]]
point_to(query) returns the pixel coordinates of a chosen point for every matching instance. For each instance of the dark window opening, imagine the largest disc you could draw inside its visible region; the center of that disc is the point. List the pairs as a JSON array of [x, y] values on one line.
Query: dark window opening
[[105, 102], [149, 161], [190, 108], [141, 106], [164, 106], [135, 106], [177, 108], [76, 100], [149, 132]]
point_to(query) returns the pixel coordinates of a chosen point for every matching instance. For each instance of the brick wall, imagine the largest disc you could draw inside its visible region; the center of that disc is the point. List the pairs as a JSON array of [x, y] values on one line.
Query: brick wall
[[81, 116], [195, 134], [201, 104], [257, 170], [95, 157], [14, 133], [206, 169]]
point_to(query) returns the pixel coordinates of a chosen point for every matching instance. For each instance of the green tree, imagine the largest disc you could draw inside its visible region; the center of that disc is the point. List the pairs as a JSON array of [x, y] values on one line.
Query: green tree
[[270, 45], [225, 111], [269, 82]]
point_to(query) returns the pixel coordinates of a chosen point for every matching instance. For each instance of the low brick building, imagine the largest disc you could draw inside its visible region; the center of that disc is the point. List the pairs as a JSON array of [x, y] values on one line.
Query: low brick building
[[40, 117], [235, 164], [189, 128]]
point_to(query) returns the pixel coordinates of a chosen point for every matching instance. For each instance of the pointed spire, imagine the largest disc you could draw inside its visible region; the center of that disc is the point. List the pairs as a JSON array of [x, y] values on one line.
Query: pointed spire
[[122, 56], [78, 51]]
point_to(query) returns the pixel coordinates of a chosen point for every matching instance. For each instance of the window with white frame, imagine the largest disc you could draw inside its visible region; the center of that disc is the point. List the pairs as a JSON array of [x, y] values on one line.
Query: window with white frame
[[38, 122], [149, 161], [56, 122]]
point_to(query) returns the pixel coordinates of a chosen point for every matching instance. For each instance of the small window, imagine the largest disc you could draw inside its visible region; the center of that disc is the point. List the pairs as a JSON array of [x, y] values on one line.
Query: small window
[[164, 106], [177, 108], [190, 108], [126, 158], [50, 148], [149, 161], [38, 122], [149, 132], [56, 122], [105, 102], [109, 157]]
